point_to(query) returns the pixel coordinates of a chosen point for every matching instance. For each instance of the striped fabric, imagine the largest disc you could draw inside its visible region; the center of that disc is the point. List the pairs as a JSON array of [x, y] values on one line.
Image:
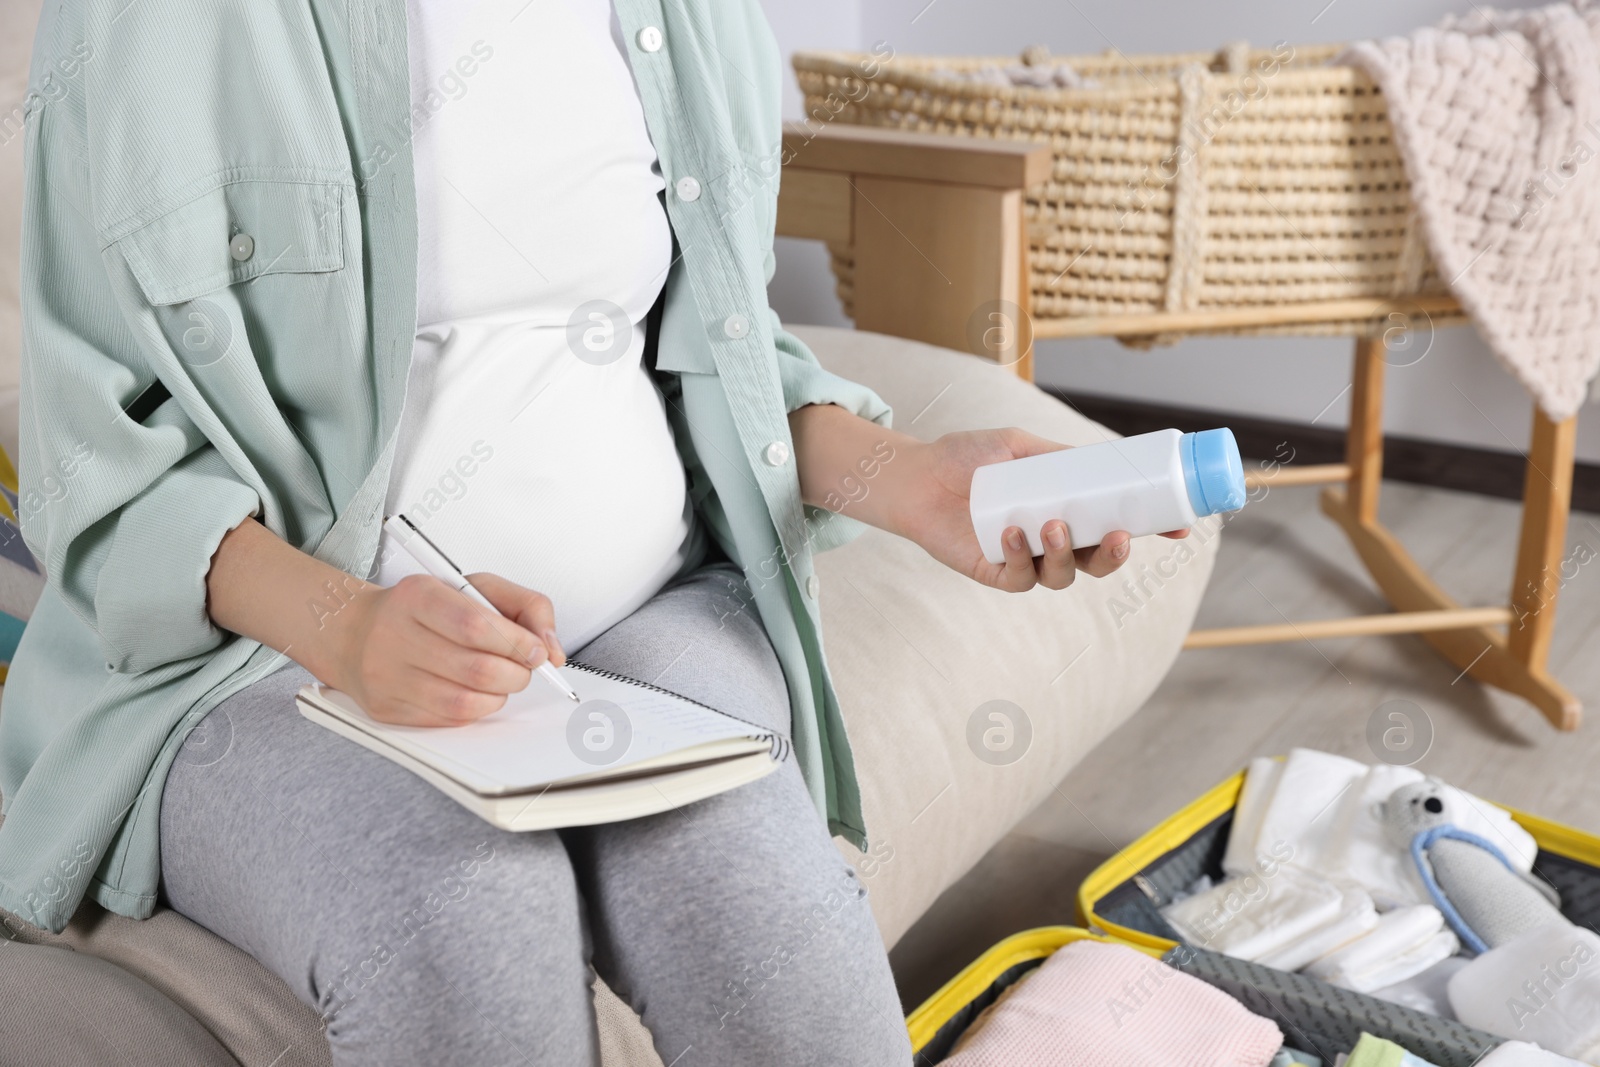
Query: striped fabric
[[20, 579], [172, 388]]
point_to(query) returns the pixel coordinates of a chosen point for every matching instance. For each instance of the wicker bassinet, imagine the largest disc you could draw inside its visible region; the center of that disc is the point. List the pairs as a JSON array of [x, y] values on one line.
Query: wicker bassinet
[[1182, 183]]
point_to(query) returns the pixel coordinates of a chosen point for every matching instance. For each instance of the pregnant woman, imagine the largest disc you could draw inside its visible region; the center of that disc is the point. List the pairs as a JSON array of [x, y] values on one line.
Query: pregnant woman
[[500, 266]]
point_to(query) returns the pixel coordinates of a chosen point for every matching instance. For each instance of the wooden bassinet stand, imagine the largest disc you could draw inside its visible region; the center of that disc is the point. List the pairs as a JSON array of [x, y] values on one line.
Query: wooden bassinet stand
[[925, 227]]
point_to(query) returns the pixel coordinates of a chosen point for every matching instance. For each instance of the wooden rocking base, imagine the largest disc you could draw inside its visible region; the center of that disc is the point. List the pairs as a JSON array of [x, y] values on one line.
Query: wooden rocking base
[[1512, 659], [1482, 652]]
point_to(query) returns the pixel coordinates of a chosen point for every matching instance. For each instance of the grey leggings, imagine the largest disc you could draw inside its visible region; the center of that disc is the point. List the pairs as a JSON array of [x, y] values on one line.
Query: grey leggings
[[423, 935]]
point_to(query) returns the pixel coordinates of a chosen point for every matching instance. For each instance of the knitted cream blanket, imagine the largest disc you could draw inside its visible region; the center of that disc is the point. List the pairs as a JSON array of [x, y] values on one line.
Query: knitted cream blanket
[[1497, 119]]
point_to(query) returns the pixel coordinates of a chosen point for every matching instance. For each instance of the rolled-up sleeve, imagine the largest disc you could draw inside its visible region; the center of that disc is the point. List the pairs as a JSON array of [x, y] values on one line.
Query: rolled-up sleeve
[[125, 514], [806, 381], [150, 590]]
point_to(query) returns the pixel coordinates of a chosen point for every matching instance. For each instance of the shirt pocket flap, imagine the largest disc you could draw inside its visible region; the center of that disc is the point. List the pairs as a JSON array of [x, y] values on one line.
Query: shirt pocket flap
[[237, 232]]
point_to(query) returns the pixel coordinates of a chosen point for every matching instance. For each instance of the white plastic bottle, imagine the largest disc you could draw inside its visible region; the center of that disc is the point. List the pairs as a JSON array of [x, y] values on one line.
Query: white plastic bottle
[[1151, 483]]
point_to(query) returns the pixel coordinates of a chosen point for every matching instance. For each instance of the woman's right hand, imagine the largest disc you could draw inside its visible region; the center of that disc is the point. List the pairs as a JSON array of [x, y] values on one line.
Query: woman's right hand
[[421, 654]]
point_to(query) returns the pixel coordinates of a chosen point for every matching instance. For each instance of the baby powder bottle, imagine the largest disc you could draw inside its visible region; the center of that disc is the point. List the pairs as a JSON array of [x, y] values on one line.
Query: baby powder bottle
[[1147, 484]]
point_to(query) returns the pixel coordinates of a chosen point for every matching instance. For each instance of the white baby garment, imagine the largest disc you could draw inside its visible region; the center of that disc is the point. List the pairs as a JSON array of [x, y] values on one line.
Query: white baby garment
[[1258, 914], [1357, 917], [1544, 987], [1406, 942], [1254, 797]]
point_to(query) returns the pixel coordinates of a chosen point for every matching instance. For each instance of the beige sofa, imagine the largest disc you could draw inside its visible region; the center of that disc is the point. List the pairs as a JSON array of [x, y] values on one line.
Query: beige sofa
[[915, 650]]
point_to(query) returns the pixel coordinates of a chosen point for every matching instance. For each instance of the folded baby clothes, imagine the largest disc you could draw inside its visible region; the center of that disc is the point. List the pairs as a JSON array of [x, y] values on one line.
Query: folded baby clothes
[[1257, 914], [1373, 1051], [1522, 1054], [1359, 848], [1321, 812], [1428, 991], [1259, 781], [1543, 986], [1300, 816], [1406, 942], [1093, 1004], [1357, 917]]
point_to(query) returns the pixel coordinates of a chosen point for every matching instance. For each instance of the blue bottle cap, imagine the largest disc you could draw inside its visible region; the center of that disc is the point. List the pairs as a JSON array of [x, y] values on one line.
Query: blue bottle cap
[[1213, 471]]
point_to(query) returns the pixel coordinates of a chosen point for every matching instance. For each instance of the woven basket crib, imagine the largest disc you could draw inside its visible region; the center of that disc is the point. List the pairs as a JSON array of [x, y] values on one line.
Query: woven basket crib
[[1237, 180]]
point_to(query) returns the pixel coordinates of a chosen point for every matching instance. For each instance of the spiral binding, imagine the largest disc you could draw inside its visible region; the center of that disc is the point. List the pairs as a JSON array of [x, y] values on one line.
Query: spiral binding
[[780, 744]]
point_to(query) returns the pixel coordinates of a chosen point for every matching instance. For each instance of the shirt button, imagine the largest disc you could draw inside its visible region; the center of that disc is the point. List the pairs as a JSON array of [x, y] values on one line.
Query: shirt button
[[735, 326], [688, 190], [649, 39], [242, 247], [777, 454], [813, 586]]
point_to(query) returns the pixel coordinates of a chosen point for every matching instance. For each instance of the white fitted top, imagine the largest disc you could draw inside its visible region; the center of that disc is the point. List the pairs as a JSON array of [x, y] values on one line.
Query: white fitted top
[[534, 444]]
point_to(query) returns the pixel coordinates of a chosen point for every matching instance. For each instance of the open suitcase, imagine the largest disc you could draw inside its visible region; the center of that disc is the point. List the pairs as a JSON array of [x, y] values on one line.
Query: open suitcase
[[1120, 902]]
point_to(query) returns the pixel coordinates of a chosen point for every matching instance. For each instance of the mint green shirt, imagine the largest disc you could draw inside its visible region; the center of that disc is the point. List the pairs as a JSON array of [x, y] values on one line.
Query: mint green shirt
[[219, 301]]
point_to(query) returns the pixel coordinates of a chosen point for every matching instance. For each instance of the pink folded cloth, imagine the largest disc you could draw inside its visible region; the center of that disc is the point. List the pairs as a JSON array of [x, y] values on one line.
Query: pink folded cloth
[[1097, 1005]]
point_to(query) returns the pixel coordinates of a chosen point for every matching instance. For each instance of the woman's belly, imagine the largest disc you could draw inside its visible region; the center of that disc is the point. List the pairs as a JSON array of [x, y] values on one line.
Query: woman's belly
[[555, 473]]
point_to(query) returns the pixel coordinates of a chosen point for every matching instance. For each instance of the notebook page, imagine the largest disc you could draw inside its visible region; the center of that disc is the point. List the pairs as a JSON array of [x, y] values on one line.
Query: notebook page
[[540, 737]]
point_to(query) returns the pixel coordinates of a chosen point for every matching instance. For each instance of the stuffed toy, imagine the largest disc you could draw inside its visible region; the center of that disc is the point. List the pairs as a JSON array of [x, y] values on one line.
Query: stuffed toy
[[1485, 899]]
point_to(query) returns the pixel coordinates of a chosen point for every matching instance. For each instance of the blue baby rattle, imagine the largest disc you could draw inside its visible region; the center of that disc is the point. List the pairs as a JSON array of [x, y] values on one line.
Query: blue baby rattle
[[1485, 899]]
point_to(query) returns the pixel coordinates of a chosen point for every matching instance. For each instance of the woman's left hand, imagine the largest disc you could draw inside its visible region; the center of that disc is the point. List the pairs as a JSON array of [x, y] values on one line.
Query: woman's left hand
[[930, 506]]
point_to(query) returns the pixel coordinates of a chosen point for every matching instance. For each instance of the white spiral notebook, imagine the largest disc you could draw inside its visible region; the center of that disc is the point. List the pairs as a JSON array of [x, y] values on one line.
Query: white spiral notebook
[[543, 762]]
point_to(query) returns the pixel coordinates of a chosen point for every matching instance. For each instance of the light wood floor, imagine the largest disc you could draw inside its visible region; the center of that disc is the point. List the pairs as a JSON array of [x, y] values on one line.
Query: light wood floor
[[1218, 708]]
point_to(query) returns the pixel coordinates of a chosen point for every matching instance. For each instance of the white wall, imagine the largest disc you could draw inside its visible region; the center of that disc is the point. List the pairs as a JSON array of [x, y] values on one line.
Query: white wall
[[1456, 393]]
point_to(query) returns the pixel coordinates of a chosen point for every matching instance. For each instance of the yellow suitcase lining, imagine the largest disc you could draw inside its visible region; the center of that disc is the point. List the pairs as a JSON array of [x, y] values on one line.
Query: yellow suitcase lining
[[1177, 830], [981, 976]]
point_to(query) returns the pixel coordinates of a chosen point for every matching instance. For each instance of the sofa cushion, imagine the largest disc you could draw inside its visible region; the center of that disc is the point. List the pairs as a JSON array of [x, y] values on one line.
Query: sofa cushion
[[923, 657], [247, 1009], [70, 1009]]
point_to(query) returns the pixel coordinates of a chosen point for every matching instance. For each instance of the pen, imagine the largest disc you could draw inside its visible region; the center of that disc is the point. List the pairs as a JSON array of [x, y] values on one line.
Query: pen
[[436, 563]]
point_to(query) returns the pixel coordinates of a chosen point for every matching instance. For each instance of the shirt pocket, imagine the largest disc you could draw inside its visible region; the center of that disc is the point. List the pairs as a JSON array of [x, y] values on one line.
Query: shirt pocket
[[238, 232]]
